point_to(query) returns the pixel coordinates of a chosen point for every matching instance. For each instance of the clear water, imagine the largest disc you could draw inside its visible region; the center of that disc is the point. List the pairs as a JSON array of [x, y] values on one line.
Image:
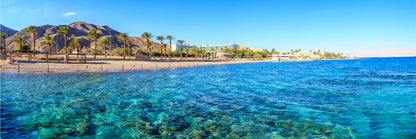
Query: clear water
[[364, 98]]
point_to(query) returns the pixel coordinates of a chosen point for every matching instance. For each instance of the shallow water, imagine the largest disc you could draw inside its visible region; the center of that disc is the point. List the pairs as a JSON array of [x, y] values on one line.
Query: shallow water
[[339, 99]]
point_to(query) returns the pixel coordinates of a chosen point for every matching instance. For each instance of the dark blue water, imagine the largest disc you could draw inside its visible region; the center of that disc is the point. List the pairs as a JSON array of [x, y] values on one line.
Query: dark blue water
[[364, 98]]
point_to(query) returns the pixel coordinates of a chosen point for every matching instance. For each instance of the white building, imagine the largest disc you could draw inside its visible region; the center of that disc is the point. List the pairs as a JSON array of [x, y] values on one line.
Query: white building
[[232, 46], [283, 57], [223, 55], [258, 49], [178, 47]]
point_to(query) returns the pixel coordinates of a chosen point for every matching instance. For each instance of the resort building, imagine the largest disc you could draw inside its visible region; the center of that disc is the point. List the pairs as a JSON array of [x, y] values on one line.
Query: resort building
[[298, 55], [223, 56], [258, 49], [178, 47], [302, 55], [232, 46], [283, 57]]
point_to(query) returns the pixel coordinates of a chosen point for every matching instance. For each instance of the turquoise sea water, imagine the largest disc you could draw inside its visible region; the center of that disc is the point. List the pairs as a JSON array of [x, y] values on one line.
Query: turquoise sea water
[[364, 98]]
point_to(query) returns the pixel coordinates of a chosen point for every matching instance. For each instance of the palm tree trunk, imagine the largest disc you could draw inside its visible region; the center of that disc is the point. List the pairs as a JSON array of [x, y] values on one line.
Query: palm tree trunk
[[95, 47], [4, 45], [66, 49], [129, 52], [50, 49], [34, 43], [164, 55], [148, 47], [181, 54], [105, 51], [161, 50], [124, 56], [170, 52], [78, 53]]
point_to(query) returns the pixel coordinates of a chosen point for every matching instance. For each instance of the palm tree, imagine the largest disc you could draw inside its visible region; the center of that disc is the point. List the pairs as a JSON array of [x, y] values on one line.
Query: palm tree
[[94, 34], [129, 42], [161, 38], [212, 52], [216, 49], [48, 41], [19, 40], [123, 37], [32, 29], [76, 42], [164, 54], [64, 31], [104, 42], [186, 52], [147, 36], [204, 52], [4, 36], [170, 37], [181, 42], [194, 52]]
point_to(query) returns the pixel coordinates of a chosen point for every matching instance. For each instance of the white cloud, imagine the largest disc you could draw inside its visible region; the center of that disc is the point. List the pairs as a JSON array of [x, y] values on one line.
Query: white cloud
[[68, 13]]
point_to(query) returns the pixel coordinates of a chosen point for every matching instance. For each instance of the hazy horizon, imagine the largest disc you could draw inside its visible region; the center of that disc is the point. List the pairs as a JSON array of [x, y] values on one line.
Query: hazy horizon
[[363, 28]]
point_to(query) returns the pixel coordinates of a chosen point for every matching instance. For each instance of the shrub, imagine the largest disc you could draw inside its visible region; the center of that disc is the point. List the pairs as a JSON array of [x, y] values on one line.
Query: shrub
[[23, 47], [70, 50]]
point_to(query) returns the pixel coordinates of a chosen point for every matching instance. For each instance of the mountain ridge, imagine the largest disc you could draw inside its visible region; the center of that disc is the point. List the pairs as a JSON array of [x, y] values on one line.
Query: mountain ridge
[[77, 29]]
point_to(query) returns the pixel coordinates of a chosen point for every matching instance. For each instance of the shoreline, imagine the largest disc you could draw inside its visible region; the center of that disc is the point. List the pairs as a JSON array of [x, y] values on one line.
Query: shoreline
[[119, 65], [110, 66]]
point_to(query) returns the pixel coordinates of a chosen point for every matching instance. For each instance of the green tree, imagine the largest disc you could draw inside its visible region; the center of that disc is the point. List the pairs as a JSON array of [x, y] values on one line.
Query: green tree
[[123, 37], [139, 51], [165, 47], [48, 41], [186, 52], [161, 38], [147, 36], [104, 42], [76, 42], [129, 42], [212, 52], [4, 36], [181, 42], [32, 29], [19, 40], [94, 34], [64, 31], [23, 47], [273, 51], [170, 38]]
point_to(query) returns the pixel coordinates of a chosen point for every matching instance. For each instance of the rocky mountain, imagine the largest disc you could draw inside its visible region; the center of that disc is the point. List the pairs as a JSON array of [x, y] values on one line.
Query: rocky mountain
[[75, 30], [7, 30]]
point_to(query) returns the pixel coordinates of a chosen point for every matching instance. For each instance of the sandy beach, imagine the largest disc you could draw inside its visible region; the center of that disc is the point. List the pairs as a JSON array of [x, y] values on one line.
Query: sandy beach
[[113, 64]]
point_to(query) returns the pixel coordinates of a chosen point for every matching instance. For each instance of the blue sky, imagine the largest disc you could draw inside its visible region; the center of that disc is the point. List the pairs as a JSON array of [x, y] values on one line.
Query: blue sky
[[328, 25]]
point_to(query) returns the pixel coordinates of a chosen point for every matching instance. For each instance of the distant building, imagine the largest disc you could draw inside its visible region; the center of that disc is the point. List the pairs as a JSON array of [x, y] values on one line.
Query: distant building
[[302, 55], [224, 55], [258, 49], [283, 57], [315, 57], [232, 46], [178, 47]]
